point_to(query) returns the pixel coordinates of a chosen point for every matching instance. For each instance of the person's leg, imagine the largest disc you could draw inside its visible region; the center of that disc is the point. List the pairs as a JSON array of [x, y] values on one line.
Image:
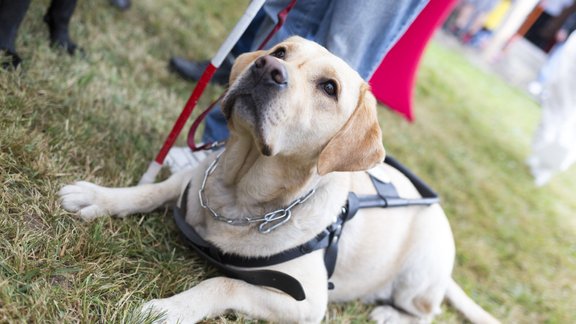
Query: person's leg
[[360, 34], [477, 23], [215, 129], [303, 20], [363, 34], [464, 17], [470, 29], [11, 15], [58, 19]]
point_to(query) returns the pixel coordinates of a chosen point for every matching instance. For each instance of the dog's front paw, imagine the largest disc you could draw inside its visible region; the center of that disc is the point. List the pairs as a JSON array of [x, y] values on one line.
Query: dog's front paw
[[83, 198], [163, 311]]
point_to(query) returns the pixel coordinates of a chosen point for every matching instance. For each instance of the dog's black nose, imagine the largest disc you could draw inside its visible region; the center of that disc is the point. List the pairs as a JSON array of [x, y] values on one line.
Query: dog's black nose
[[272, 70]]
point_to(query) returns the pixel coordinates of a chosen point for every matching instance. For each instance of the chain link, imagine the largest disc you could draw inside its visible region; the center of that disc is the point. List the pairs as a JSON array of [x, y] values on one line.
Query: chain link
[[269, 221]]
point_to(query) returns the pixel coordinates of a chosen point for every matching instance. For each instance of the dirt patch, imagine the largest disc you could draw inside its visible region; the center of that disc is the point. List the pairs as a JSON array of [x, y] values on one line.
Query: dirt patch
[[35, 222]]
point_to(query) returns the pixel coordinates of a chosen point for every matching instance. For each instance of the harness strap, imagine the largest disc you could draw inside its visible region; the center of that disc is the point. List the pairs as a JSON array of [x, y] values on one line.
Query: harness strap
[[331, 254], [268, 278]]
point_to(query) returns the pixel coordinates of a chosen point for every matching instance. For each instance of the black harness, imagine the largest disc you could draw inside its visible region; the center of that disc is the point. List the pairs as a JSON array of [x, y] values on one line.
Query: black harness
[[230, 264]]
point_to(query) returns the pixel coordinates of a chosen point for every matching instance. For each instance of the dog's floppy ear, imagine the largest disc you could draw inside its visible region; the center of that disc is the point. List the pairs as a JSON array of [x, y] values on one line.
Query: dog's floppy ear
[[242, 62], [358, 145]]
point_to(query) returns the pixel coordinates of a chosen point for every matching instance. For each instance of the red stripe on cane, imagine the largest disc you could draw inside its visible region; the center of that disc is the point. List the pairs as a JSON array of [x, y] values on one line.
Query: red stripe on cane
[[190, 104]]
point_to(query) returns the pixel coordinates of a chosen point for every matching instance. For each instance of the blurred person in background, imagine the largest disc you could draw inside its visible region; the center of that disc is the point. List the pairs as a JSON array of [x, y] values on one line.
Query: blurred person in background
[[493, 21], [551, 64], [549, 10], [469, 17], [554, 144]]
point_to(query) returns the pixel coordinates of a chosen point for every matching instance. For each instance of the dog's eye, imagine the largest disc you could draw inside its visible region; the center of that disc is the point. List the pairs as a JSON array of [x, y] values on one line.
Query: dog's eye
[[280, 53], [330, 88]]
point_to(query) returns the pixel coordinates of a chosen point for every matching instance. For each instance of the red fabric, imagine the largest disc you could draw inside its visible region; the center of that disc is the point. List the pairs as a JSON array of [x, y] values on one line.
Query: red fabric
[[393, 81]]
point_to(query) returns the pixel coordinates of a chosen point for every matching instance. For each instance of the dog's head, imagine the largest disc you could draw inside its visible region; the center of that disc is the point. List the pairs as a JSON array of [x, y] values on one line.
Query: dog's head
[[299, 100]]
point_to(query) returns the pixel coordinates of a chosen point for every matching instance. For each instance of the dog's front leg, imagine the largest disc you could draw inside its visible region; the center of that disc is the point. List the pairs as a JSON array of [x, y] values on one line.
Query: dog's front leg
[[91, 201], [218, 295]]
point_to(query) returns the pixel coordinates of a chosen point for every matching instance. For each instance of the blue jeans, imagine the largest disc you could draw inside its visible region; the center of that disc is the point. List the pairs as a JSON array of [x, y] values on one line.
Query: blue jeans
[[359, 32]]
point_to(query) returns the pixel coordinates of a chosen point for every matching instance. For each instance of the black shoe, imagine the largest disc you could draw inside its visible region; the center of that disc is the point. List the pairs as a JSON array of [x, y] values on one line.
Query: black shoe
[[193, 70], [59, 36], [9, 59], [121, 4]]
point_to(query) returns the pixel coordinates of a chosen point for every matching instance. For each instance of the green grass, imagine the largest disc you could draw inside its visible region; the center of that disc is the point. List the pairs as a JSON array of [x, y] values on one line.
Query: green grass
[[102, 117]]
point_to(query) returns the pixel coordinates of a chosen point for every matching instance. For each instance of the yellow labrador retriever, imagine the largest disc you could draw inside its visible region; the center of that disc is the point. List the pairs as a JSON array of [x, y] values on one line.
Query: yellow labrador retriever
[[303, 130]]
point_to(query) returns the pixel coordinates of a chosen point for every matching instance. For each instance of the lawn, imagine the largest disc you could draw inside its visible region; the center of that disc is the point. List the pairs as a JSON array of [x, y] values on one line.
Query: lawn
[[102, 117]]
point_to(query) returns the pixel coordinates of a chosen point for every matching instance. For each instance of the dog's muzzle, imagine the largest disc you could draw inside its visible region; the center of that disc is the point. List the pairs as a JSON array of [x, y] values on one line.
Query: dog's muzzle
[[270, 71], [261, 84], [256, 98]]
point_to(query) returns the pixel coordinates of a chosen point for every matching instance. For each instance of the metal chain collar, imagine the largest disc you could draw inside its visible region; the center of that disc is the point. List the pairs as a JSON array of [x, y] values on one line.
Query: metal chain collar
[[269, 221]]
